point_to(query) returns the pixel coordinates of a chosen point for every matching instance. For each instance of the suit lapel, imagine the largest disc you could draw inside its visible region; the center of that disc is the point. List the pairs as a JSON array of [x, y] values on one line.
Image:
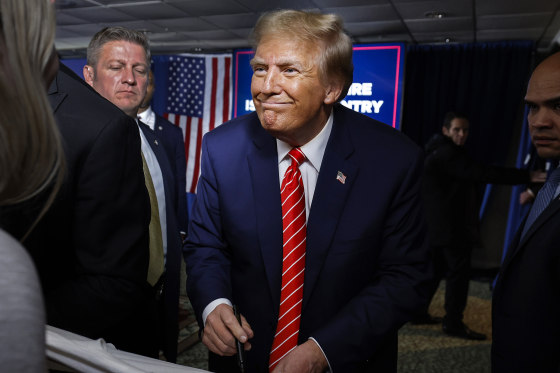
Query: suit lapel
[[263, 167], [55, 97], [328, 201], [552, 209], [166, 173]]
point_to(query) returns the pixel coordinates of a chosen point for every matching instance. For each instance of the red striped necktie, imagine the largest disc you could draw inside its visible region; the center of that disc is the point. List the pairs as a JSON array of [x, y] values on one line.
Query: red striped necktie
[[293, 264]]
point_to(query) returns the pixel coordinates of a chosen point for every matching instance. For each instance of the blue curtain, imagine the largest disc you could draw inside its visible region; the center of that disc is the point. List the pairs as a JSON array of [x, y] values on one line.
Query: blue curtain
[[484, 81]]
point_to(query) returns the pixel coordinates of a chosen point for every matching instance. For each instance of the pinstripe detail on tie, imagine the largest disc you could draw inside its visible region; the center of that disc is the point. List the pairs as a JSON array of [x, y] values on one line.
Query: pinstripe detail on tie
[[544, 196], [293, 264]]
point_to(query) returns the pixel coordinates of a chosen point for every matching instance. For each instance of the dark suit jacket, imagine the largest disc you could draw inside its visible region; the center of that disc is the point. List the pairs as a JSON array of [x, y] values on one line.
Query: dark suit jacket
[[91, 249], [366, 253], [452, 180], [168, 323], [526, 300], [174, 145]]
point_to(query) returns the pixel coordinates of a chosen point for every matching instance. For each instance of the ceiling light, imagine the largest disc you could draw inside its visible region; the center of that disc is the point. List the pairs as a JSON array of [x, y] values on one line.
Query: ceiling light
[[434, 15]]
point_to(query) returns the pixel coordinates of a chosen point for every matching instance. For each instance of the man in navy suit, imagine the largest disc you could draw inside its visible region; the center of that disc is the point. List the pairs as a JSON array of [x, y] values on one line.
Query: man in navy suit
[[117, 67], [174, 145], [366, 266], [526, 299]]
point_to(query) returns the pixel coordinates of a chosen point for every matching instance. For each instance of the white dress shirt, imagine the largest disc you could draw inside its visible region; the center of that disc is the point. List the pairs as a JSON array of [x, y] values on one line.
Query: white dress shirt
[[314, 151], [148, 117], [157, 179]]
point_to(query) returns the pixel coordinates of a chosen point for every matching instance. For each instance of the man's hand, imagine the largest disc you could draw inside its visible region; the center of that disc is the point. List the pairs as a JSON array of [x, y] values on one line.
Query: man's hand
[[526, 197], [222, 329], [538, 176], [305, 358]]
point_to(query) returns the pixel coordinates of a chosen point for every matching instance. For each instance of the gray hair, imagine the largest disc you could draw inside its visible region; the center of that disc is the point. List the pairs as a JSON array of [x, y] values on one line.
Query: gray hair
[[109, 34], [325, 30]]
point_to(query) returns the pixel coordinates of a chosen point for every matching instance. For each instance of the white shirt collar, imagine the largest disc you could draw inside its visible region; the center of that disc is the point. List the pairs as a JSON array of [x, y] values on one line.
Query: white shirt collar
[[148, 117], [313, 150]]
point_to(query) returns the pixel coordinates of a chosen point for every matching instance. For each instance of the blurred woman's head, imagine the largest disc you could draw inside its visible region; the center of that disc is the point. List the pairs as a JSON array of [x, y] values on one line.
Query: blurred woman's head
[[31, 155]]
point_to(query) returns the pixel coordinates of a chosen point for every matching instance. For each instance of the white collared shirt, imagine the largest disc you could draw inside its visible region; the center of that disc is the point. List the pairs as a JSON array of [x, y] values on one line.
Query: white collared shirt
[[157, 180], [314, 151], [148, 117]]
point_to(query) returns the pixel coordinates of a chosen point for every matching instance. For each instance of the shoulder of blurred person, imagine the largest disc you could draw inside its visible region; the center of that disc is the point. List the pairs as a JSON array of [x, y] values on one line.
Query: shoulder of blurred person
[[81, 99], [21, 314]]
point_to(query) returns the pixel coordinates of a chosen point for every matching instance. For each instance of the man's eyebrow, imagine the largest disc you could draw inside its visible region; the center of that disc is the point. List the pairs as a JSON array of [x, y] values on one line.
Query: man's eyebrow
[[548, 102], [116, 60], [279, 62], [256, 61]]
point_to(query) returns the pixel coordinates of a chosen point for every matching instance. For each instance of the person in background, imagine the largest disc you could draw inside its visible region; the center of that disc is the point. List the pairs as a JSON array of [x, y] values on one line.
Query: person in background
[[526, 301], [31, 163], [174, 145], [451, 182], [307, 218], [118, 62]]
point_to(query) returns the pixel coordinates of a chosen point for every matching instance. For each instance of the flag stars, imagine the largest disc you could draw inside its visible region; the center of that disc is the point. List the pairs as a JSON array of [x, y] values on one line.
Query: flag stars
[[186, 86]]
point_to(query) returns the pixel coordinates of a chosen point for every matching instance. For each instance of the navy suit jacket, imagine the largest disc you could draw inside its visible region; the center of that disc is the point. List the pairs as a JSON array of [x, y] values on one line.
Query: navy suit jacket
[[174, 145], [366, 258], [169, 328], [526, 300]]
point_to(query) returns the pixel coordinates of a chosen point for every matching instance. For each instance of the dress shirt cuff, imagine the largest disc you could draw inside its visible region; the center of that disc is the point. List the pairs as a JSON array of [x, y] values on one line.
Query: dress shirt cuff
[[212, 305], [329, 364]]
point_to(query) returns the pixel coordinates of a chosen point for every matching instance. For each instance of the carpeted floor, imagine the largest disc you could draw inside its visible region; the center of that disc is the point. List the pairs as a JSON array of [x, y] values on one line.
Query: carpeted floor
[[422, 348], [425, 348]]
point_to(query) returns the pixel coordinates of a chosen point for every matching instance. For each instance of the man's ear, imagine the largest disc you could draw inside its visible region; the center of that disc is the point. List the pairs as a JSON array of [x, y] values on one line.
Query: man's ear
[[445, 131], [88, 74], [333, 92]]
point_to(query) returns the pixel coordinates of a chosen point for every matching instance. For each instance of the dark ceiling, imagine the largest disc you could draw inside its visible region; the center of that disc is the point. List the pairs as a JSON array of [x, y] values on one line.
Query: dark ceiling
[[176, 26]]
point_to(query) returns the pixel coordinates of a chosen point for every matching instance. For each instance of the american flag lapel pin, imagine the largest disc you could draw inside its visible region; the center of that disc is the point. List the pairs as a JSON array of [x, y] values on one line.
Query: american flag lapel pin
[[341, 177]]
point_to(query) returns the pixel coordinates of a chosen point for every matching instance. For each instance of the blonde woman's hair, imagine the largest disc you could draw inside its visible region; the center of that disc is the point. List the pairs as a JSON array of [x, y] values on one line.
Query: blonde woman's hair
[[31, 155], [323, 30]]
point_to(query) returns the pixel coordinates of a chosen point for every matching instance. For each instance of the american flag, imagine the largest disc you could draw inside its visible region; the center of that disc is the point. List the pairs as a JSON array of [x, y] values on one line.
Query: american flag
[[198, 100]]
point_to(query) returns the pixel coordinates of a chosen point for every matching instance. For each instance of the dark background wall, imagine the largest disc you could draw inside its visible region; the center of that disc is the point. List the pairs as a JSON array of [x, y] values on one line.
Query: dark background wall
[[486, 82]]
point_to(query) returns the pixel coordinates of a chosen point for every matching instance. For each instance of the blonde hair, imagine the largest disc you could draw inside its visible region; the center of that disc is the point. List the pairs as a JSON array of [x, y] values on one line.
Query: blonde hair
[[31, 154], [324, 30]]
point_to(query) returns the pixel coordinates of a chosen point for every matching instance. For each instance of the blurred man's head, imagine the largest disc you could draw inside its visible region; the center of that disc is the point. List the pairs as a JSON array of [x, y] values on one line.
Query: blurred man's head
[[543, 101], [456, 127], [149, 93], [118, 61]]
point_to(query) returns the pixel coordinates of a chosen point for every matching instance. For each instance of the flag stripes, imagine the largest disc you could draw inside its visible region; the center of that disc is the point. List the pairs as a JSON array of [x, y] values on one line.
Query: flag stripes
[[198, 100]]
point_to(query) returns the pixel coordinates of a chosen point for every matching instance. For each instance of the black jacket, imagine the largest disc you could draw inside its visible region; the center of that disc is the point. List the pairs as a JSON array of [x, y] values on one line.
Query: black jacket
[[91, 248], [450, 190]]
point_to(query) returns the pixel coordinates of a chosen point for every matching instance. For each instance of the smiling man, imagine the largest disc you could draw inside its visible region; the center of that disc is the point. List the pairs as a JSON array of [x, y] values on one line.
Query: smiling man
[[118, 62], [526, 301], [307, 216]]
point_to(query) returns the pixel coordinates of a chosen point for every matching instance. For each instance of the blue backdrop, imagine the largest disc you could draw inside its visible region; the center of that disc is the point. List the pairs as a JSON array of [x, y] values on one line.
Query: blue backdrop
[[376, 91]]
